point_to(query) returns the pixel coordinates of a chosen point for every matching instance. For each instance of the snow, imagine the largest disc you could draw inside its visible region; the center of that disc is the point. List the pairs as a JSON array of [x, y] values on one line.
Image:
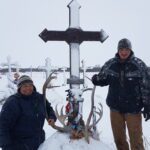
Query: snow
[[58, 141], [63, 142]]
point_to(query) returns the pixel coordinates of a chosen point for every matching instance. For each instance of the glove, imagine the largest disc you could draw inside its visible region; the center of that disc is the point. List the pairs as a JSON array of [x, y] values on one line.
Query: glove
[[146, 113], [95, 79]]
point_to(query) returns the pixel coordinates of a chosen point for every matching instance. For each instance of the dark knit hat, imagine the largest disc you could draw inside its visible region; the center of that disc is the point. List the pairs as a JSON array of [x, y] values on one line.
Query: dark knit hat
[[24, 79], [124, 43]]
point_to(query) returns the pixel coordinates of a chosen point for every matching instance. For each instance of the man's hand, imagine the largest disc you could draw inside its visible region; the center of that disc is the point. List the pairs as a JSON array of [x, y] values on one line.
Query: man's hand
[[51, 122], [95, 79], [146, 113]]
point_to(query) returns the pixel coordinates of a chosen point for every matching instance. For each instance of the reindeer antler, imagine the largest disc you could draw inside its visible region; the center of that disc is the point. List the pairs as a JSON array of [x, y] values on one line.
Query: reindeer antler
[[45, 86], [60, 117], [99, 112], [90, 116], [50, 77]]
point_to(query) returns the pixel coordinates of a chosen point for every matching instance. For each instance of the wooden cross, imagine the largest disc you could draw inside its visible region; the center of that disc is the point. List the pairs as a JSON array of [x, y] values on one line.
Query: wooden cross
[[74, 36]]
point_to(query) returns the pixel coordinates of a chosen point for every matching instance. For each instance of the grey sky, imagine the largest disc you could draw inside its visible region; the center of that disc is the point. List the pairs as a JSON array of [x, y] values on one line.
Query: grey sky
[[22, 20]]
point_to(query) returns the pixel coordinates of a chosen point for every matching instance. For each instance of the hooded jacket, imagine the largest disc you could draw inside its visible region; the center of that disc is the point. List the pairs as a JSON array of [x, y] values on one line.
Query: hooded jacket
[[22, 120], [128, 90]]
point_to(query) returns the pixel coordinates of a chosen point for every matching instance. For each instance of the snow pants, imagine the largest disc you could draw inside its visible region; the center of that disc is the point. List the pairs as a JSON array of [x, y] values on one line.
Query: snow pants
[[133, 122]]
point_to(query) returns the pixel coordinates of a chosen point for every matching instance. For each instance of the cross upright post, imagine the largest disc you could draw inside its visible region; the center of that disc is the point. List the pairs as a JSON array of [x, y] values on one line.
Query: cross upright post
[[74, 47]]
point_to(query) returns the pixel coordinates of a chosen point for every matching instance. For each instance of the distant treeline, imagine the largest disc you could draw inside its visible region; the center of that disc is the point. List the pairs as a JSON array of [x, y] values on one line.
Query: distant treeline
[[89, 69], [5, 70]]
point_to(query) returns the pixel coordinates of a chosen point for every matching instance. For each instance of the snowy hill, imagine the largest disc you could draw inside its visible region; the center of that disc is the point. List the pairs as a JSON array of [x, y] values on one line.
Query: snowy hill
[[58, 141]]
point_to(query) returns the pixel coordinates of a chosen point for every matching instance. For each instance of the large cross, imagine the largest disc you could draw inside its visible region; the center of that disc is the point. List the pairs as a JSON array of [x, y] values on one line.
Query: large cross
[[74, 36]]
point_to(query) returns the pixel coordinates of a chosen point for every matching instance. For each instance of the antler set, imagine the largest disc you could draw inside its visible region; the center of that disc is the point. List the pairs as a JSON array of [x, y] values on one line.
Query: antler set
[[86, 130]]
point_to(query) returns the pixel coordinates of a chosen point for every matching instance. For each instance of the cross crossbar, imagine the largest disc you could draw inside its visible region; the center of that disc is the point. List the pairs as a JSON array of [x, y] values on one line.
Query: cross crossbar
[[72, 35]]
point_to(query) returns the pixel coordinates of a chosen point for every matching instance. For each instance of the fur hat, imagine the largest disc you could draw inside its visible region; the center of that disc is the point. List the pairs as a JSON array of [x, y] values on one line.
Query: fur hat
[[124, 43], [24, 79]]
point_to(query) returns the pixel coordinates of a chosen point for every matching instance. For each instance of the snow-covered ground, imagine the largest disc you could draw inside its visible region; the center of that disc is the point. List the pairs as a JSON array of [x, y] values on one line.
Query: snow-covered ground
[[62, 142], [59, 141]]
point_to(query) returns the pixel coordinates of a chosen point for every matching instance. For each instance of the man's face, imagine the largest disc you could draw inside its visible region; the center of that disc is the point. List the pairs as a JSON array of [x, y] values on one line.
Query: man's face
[[26, 89], [124, 53]]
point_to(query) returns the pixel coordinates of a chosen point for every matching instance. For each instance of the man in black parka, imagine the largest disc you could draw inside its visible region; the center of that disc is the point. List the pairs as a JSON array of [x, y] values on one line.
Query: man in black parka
[[128, 94], [22, 118]]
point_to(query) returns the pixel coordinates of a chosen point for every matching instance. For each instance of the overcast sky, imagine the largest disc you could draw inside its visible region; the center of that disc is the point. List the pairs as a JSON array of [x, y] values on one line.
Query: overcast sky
[[22, 20]]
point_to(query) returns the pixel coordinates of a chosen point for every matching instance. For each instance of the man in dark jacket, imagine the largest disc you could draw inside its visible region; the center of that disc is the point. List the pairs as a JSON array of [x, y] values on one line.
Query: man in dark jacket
[[22, 118], [128, 94]]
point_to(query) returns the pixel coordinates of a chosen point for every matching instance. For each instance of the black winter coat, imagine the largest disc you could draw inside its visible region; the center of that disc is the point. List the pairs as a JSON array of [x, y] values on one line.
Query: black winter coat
[[21, 122], [127, 92]]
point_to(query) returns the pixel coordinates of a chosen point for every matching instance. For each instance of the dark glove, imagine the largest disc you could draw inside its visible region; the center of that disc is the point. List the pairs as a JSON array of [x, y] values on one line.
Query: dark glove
[[95, 79], [146, 112]]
